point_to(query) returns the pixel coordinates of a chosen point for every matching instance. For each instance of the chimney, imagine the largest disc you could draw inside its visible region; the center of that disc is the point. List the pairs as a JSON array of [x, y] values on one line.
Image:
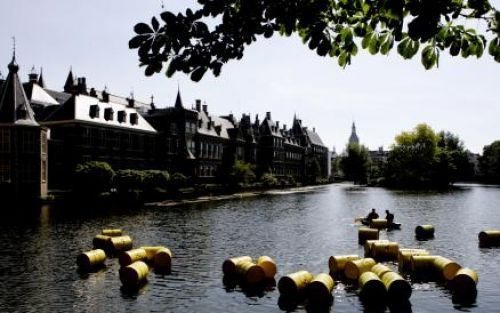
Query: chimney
[[209, 124], [277, 125], [131, 102], [314, 129], [105, 95], [268, 115], [93, 93], [82, 85], [205, 108], [198, 105], [284, 126], [33, 76]]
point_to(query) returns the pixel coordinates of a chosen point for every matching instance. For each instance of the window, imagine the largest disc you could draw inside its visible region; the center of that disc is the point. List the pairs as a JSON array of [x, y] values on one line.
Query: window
[[28, 141], [122, 116], [134, 118], [44, 171], [108, 114], [94, 111], [4, 140], [5, 171], [44, 142]]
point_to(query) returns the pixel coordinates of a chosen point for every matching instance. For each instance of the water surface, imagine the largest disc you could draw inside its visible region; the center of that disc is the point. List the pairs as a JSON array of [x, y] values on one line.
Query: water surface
[[38, 271]]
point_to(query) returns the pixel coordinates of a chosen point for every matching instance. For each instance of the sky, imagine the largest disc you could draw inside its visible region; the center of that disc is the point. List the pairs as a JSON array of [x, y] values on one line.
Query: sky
[[383, 95]]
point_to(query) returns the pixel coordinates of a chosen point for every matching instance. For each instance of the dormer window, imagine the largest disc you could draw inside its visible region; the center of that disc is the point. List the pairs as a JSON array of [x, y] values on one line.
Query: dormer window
[[94, 111], [122, 116], [134, 118], [108, 114]]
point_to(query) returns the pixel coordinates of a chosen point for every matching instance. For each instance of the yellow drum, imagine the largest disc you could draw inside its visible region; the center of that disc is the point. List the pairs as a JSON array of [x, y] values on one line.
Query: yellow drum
[[365, 234], [251, 273], [446, 267], [229, 266], [134, 274], [129, 257], [91, 259], [371, 287], [353, 269], [268, 265], [294, 284], [336, 263], [321, 287]]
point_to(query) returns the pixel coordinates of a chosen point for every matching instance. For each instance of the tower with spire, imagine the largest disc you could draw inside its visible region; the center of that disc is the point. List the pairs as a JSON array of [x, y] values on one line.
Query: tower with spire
[[23, 142], [353, 139]]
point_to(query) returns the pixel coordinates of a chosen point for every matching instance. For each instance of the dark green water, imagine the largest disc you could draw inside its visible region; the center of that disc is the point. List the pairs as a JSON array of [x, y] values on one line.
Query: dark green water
[[301, 230]]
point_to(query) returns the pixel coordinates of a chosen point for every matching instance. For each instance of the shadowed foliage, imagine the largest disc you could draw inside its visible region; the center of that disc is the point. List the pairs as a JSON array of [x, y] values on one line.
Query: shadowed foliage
[[217, 31]]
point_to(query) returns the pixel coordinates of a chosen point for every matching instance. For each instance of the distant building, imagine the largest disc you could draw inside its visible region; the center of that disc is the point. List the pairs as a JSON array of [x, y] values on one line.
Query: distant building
[[353, 139]]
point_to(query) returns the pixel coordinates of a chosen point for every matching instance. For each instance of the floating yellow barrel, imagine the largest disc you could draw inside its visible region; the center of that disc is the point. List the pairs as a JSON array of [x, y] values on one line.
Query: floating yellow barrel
[[365, 234], [229, 265], [369, 244], [353, 269], [424, 231], [131, 256], [121, 243], [397, 287], [91, 259], [151, 251], [294, 284], [336, 263], [320, 288], [404, 258], [163, 259], [268, 265], [371, 287], [446, 267], [134, 274], [488, 238], [358, 219], [464, 283], [379, 223], [422, 264], [250, 272], [115, 232], [100, 241], [385, 250], [380, 269]]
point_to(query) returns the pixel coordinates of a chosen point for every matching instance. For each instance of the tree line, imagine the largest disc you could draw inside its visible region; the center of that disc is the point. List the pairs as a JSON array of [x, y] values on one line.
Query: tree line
[[421, 159]]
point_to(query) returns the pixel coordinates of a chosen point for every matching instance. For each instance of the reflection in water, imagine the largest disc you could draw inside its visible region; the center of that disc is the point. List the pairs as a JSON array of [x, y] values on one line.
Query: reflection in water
[[38, 272]]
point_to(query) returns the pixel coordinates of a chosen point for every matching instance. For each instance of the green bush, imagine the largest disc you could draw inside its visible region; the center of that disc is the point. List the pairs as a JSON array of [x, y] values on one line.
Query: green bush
[[242, 173], [269, 180], [154, 179], [129, 180], [93, 177]]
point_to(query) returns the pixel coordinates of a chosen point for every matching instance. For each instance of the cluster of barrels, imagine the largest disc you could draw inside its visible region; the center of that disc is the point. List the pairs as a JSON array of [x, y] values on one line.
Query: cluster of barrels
[[376, 281], [421, 265], [250, 273], [489, 238], [134, 268]]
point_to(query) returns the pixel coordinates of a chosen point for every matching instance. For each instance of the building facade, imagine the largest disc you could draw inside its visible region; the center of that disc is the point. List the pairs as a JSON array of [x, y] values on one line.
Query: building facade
[[46, 133]]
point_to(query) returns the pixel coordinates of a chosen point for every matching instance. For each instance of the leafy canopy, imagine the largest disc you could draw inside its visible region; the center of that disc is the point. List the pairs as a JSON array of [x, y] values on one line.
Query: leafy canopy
[[356, 163], [185, 42]]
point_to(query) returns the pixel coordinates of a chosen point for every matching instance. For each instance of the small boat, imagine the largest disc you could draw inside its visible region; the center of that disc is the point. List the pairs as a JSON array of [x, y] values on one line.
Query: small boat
[[365, 222]]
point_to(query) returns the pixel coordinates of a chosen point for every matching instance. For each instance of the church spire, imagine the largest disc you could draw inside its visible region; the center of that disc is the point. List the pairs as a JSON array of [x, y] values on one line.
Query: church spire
[[69, 86], [178, 100], [353, 139], [41, 82]]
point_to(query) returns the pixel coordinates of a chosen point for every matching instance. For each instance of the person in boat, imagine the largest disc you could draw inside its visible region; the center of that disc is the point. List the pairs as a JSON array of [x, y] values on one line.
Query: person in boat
[[389, 217], [372, 215]]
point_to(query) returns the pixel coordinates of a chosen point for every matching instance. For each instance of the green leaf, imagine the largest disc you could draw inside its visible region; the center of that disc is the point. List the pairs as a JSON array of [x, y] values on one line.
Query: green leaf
[[366, 40], [198, 73], [387, 45], [479, 49], [343, 59], [429, 57], [374, 45]]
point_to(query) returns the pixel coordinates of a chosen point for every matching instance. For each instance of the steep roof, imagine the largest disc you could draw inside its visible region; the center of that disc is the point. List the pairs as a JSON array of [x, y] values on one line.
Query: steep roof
[[38, 95], [14, 105], [204, 119], [78, 109], [314, 138]]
